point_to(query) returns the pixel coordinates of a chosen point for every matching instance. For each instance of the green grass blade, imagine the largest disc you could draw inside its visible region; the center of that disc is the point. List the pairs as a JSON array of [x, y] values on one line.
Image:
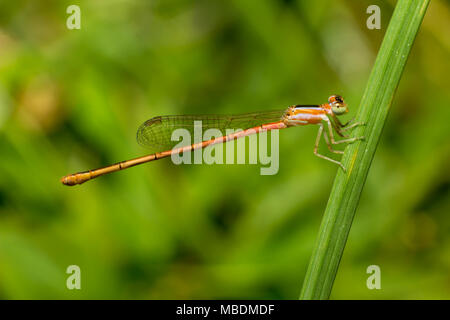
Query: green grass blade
[[347, 187]]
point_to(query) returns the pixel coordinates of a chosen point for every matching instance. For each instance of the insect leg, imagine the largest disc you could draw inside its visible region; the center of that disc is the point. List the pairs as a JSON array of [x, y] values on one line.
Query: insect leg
[[316, 148]]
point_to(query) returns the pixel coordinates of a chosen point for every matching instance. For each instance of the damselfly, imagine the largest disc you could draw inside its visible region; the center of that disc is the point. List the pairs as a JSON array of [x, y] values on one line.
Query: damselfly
[[157, 132]]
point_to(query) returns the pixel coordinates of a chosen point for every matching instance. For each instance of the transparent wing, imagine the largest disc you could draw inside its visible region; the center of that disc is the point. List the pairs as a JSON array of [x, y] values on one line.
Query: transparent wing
[[156, 132]]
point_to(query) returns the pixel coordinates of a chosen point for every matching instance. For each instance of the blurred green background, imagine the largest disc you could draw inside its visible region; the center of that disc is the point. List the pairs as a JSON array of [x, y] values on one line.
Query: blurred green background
[[71, 100]]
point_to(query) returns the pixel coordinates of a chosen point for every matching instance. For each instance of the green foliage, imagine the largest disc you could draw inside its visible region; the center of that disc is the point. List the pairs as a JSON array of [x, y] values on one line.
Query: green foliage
[[72, 100], [347, 188]]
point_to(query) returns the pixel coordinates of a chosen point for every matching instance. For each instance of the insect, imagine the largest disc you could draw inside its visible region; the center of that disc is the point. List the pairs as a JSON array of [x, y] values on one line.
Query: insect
[[157, 132]]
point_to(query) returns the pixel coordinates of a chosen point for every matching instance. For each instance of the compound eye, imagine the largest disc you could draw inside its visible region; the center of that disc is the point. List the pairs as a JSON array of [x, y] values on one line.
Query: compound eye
[[335, 99]]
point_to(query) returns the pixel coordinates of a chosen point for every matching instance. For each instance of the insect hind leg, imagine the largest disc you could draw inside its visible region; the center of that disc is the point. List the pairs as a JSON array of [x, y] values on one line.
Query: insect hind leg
[[316, 148]]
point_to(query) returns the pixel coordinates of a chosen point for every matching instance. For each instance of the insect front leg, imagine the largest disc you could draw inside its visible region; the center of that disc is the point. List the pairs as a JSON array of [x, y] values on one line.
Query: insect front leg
[[356, 124], [333, 140], [342, 127]]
